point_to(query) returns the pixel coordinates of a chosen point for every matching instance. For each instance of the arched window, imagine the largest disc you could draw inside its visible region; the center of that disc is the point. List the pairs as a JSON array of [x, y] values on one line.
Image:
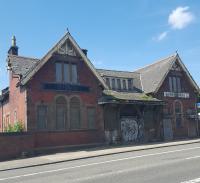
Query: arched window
[[41, 117], [15, 116], [61, 113], [178, 113], [75, 113]]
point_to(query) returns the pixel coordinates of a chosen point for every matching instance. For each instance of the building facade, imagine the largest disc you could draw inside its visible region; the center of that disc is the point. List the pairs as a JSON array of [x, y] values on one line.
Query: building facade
[[64, 92], [174, 85]]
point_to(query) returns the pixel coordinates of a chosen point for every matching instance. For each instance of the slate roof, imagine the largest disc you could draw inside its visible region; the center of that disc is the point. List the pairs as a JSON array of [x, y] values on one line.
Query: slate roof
[[114, 73], [153, 75], [4, 94], [110, 96], [122, 74], [21, 65]]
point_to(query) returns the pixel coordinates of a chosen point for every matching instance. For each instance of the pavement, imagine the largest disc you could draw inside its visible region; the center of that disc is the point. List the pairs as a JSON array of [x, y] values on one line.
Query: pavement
[[84, 154], [171, 164]]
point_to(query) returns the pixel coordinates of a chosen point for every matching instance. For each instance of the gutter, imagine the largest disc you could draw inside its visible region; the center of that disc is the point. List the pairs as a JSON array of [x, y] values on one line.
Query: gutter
[[26, 111], [2, 116], [139, 102]]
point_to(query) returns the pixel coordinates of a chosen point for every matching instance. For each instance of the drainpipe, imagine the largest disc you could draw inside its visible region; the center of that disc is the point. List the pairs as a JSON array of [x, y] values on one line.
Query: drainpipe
[[26, 111], [2, 116], [197, 125], [197, 120]]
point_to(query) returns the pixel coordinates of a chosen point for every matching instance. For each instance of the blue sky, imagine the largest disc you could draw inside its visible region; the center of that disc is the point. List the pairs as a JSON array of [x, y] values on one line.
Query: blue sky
[[121, 35]]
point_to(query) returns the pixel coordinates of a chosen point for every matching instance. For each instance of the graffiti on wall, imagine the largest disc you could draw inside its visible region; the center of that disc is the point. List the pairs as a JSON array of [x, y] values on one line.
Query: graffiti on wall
[[132, 130]]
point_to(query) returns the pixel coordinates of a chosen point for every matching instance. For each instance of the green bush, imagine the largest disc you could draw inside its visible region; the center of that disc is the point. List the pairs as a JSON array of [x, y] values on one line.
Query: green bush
[[17, 127], [9, 128]]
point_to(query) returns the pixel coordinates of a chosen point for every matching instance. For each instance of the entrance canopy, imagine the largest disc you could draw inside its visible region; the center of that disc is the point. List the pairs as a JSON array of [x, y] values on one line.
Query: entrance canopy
[[114, 97]]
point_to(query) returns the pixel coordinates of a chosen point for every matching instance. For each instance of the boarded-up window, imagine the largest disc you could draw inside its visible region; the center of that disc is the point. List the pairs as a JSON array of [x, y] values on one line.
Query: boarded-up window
[[6, 121], [113, 83], [15, 116], [111, 118], [124, 84], [61, 111], [149, 118], [91, 112], [178, 82], [174, 84], [66, 73], [130, 84], [108, 82], [58, 72], [74, 73], [170, 84], [75, 113], [42, 117], [118, 84], [178, 113]]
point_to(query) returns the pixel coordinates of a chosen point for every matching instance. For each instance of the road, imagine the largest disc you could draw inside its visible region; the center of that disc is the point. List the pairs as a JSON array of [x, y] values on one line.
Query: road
[[176, 164]]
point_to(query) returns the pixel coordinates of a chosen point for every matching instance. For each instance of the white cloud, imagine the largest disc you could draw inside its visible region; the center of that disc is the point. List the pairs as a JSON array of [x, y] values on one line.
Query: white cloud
[[180, 18], [161, 36]]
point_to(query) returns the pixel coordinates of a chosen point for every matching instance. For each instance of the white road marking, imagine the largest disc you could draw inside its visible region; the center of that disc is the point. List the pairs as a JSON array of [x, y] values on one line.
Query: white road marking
[[192, 181], [97, 176], [193, 157], [92, 164]]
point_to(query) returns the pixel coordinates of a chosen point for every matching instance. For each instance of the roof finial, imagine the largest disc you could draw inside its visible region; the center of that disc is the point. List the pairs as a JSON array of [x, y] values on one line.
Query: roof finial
[[68, 31], [14, 48], [13, 41]]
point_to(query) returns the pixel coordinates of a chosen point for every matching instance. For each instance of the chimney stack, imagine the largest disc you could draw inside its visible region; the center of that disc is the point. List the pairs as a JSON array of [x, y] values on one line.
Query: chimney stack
[[85, 52], [14, 48]]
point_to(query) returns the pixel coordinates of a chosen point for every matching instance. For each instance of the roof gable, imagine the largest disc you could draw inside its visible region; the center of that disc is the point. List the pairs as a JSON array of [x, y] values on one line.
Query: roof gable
[[153, 76], [66, 45]]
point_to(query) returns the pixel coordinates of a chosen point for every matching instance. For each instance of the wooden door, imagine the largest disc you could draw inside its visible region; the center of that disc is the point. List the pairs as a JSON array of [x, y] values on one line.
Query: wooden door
[[167, 127]]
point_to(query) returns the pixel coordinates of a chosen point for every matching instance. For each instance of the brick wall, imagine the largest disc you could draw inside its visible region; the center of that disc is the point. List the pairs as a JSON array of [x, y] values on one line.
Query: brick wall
[[4, 110], [15, 107], [13, 144], [17, 101]]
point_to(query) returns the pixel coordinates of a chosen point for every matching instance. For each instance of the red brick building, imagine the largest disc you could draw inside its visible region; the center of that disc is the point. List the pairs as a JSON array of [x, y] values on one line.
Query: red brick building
[[170, 81], [58, 93], [64, 93]]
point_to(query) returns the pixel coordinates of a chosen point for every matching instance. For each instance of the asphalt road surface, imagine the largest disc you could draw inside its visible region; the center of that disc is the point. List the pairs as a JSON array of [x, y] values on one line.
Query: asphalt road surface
[[177, 164]]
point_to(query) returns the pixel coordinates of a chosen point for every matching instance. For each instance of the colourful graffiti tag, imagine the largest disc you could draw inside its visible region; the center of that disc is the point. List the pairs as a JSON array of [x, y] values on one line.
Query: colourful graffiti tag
[[129, 129]]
